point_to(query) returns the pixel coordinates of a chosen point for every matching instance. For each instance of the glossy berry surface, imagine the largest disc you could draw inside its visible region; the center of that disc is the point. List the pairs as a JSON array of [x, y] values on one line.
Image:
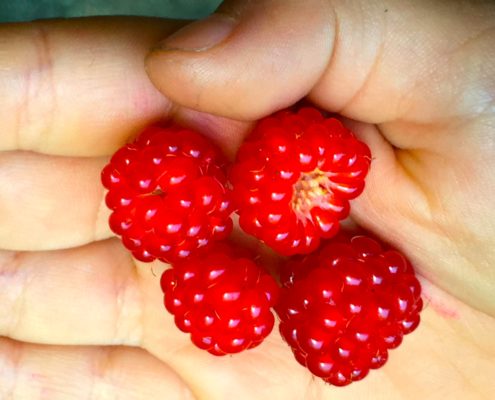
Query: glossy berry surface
[[344, 307], [222, 298], [167, 194], [293, 179]]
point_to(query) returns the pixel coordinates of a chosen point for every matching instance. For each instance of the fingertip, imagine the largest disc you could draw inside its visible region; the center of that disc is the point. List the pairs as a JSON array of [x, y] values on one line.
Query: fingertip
[[203, 83], [245, 64]]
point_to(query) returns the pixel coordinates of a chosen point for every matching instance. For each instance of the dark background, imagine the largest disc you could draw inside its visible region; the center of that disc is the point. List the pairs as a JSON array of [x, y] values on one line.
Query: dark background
[[27, 10]]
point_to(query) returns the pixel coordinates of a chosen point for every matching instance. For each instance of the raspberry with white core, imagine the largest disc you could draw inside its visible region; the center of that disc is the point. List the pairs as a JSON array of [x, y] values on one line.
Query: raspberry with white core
[[293, 179]]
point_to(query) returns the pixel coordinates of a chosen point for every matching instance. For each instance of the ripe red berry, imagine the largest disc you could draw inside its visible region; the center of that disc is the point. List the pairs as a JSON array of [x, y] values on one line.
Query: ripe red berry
[[222, 298], [293, 179], [343, 307], [167, 193]]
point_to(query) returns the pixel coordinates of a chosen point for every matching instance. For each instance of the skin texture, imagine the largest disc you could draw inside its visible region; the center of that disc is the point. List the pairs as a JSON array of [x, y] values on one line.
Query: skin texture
[[81, 319]]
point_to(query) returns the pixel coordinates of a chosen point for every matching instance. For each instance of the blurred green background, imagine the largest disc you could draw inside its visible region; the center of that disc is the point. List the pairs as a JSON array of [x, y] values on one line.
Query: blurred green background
[[27, 10]]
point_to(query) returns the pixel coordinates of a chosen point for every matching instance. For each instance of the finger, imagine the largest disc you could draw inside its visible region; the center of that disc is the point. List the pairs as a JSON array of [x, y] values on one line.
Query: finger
[[31, 371], [87, 295], [249, 72], [88, 285], [355, 57], [50, 202], [77, 87]]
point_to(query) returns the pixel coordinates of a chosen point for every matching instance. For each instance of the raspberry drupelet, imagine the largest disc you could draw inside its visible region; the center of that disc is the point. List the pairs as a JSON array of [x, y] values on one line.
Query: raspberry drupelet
[[293, 179], [167, 193]]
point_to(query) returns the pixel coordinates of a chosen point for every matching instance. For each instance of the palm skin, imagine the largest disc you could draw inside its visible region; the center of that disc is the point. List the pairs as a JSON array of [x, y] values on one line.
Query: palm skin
[[82, 319]]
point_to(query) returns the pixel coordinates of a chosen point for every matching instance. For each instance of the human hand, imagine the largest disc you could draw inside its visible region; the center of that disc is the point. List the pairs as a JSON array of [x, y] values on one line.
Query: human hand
[[66, 283], [417, 81]]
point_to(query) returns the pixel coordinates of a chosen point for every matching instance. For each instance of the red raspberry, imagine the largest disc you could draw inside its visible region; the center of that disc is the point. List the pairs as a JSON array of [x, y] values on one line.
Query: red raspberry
[[294, 177], [222, 298], [166, 190], [343, 307]]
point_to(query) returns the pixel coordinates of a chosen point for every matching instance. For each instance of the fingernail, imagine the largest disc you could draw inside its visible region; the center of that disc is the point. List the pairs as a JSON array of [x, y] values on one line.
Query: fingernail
[[200, 35]]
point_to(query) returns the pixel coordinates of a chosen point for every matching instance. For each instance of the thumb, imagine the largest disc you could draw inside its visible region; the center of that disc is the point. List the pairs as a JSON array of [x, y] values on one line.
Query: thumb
[[248, 59], [375, 62]]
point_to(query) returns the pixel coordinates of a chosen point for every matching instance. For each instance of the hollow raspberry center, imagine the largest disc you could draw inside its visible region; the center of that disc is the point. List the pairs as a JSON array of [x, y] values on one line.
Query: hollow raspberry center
[[311, 190]]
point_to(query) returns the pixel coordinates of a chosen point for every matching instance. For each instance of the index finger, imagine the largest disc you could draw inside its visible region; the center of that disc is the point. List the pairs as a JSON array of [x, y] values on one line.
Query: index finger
[[77, 87]]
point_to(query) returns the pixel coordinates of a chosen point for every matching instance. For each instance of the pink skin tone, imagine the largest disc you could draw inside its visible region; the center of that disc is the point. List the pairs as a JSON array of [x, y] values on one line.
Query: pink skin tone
[[442, 303], [74, 91]]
